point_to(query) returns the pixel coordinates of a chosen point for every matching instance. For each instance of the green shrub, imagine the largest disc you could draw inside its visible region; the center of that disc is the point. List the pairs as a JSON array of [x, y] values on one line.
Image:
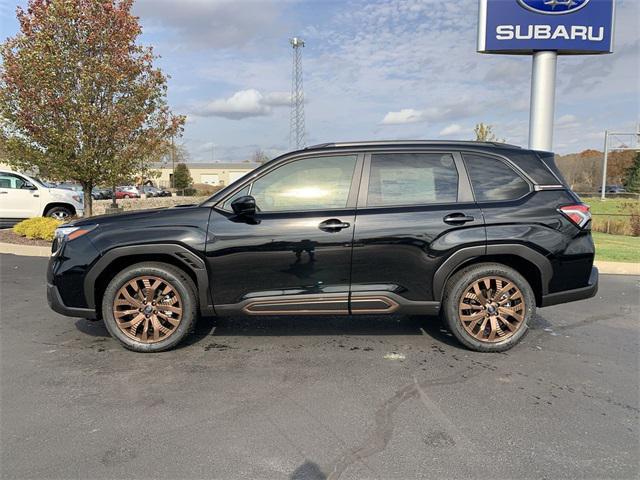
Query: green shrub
[[38, 227]]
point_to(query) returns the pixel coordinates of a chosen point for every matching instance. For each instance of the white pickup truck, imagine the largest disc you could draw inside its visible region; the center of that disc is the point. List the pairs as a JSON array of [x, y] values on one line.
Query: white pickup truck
[[23, 197]]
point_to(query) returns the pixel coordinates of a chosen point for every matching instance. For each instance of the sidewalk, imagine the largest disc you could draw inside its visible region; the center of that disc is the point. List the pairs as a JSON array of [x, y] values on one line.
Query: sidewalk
[[614, 268]]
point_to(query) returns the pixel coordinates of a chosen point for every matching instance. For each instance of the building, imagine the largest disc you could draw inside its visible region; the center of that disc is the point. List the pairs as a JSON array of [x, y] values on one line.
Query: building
[[215, 174]]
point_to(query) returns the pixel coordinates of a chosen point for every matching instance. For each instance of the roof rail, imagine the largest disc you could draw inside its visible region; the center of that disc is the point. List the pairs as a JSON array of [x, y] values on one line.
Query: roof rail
[[410, 142]]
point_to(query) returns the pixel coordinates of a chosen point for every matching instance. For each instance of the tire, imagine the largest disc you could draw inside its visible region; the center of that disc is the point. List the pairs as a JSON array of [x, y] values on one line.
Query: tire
[[59, 213], [126, 196], [502, 328], [173, 326]]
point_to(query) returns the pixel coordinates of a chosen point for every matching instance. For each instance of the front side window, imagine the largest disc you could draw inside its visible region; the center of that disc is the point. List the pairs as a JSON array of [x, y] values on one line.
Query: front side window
[[493, 180], [7, 180], [309, 184], [412, 179]]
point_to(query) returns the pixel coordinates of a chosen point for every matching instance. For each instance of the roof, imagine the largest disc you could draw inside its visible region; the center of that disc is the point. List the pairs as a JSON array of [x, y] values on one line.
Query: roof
[[213, 165], [411, 143]]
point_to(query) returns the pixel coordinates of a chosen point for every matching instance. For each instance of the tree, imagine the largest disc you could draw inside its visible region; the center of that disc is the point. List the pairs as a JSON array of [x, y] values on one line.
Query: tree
[[633, 176], [259, 157], [79, 98], [484, 133], [182, 177]]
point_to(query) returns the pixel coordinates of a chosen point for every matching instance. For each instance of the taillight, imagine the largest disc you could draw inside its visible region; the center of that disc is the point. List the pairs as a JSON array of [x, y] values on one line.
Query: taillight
[[578, 214]]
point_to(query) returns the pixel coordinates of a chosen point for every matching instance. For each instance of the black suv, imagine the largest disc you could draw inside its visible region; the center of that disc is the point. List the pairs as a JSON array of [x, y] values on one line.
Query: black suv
[[481, 233]]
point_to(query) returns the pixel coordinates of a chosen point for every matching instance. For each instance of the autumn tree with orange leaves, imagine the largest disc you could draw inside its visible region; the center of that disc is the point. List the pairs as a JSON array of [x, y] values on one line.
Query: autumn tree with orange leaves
[[79, 98]]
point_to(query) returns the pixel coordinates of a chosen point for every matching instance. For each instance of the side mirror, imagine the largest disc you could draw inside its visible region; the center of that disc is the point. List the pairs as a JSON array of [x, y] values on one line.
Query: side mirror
[[28, 186], [244, 206]]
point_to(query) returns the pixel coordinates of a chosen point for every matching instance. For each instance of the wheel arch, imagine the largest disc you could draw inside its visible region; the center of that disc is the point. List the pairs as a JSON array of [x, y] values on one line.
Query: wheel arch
[[532, 265], [51, 205], [117, 259]]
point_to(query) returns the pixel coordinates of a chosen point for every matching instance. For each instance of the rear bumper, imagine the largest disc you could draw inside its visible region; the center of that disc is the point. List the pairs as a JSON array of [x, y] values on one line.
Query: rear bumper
[[573, 295], [57, 305]]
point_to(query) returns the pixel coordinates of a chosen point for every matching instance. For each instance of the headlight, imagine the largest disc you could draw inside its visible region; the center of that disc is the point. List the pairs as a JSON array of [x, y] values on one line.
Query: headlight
[[71, 233], [77, 198]]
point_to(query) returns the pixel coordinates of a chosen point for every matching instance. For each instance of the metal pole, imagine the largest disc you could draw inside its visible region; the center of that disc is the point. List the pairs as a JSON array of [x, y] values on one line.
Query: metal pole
[[173, 165], [543, 94], [604, 164]]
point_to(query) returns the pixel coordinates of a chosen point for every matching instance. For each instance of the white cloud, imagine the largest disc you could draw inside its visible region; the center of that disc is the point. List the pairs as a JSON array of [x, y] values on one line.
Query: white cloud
[[243, 104], [406, 115], [452, 129]]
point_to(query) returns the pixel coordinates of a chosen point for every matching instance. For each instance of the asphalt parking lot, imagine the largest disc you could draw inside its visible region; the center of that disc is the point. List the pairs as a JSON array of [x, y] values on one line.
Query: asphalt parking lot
[[319, 397]]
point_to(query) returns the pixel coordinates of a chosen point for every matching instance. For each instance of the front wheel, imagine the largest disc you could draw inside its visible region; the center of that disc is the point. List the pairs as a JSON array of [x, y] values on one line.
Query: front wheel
[[150, 307], [488, 307], [59, 213]]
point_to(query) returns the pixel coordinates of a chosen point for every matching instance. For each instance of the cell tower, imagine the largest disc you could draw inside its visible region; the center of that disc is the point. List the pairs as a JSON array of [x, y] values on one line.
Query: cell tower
[[296, 122]]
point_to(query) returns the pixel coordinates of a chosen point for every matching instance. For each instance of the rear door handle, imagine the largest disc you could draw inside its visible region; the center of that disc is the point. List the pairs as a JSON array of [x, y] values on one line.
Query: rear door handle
[[333, 225], [457, 218]]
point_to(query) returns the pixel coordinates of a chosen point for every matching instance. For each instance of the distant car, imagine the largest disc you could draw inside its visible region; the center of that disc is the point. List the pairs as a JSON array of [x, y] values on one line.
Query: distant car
[[25, 197], [70, 186], [127, 192], [101, 193], [150, 191], [164, 193], [613, 189]]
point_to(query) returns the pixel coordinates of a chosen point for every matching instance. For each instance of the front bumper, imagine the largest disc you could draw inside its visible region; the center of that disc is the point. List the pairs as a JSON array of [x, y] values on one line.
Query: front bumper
[[573, 295], [57, 305]]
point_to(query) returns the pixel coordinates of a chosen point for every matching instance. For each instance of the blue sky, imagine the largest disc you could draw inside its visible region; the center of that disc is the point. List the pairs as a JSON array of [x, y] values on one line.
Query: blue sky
[[372, 70]]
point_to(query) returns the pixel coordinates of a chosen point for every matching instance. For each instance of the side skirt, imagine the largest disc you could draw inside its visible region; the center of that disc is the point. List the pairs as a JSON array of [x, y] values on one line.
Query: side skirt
[[370, 303]]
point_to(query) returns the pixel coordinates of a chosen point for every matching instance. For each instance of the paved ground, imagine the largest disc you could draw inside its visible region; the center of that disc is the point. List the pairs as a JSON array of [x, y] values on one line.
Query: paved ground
[[315, 398]]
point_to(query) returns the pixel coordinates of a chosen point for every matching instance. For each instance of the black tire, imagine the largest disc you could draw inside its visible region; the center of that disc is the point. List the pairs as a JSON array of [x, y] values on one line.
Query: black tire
[[178, 279], [59, 213], [459, 283]]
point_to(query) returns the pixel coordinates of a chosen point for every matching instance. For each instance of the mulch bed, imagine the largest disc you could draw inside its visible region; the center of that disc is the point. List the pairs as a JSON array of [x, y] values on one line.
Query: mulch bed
[[7, 236]]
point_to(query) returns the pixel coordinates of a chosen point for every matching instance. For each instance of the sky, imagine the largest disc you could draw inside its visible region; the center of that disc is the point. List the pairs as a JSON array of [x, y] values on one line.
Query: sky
[[373, 70]]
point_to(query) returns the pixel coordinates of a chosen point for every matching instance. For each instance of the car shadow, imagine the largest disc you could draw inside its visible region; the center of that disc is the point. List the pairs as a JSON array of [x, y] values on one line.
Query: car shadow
[[301, 325]]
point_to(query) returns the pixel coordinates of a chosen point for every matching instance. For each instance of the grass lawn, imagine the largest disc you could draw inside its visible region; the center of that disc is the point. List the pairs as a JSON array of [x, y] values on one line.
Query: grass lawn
[[611, 206], [617, 248]]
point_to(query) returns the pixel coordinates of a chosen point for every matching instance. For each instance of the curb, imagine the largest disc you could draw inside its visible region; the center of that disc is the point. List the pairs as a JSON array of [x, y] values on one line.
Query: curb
[[25, 250], [605, 268]]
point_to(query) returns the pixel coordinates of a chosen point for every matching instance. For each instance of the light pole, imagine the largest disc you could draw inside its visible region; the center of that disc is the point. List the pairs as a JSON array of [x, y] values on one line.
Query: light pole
[[543, 96]]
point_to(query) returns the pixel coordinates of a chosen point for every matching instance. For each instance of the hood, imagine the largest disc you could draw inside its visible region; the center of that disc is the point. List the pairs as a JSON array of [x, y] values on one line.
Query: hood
[[64, 194], [151, 217]]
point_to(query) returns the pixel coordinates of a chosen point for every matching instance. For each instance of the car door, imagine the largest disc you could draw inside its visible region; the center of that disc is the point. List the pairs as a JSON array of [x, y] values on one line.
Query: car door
[[294, 255], [19, 197], [415, 209]]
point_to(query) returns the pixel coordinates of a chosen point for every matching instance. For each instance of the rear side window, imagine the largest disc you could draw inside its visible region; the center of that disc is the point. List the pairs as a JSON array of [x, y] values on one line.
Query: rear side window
[[412, 179], [493, 180]]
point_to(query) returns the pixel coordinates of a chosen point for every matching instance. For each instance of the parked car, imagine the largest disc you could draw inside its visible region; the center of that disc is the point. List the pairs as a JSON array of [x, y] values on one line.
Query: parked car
[[76, 187], [127, 192], [613, 189], [101, 193], [162, 192], [150, 191], [22, 196], [482, 233]]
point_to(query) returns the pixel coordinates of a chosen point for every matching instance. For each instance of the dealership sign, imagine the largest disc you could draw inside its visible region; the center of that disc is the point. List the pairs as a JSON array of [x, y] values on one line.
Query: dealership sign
[[564, 26]]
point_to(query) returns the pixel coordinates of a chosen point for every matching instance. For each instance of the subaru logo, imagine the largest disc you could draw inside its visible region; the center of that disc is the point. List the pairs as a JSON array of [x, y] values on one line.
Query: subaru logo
[[553, 7]]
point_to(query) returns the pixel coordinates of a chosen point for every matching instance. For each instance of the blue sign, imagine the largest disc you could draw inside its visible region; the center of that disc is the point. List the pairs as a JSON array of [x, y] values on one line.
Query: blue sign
[[569, 27]]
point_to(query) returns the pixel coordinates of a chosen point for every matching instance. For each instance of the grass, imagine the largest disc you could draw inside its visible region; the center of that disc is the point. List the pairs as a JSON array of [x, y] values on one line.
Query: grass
[[617, 248], [612, 206]]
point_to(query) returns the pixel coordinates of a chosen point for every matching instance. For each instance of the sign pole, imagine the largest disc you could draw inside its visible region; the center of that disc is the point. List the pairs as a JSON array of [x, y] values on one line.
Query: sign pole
[[604, 164], [543, 95]]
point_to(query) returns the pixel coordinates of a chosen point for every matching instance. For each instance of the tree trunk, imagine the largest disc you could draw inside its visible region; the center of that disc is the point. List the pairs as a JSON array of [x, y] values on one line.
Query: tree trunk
[[88, 199], [114, 204]]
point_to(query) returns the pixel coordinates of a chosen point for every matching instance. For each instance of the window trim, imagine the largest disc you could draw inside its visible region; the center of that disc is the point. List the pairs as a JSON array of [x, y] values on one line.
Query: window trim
[[465, 194], [351, 196], [518, 171]]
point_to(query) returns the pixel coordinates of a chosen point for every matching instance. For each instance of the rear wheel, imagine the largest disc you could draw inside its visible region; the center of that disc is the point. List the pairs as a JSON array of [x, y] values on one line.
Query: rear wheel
[[150, 307], [488, 307]]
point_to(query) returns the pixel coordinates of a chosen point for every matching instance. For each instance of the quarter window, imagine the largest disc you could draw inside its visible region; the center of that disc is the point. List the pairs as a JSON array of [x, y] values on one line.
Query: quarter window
[[493, 180], [412, 179], [308, 184]]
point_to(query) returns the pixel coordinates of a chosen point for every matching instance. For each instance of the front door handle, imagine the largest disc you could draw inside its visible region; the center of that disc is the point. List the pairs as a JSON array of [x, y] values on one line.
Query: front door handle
[[333, 225], [457, 218]]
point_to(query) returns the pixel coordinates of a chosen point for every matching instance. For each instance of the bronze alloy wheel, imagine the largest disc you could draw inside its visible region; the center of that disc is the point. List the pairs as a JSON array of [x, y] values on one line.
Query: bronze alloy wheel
[[492, 309], [147, 309]]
